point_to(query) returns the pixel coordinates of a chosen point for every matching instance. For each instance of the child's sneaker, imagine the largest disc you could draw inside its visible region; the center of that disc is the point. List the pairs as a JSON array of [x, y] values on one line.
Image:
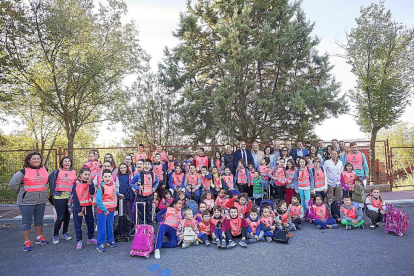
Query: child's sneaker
[[185, 245], [92, 241], [223, 243], [196, 242], [218, 243], [361, 226], [252, 240], [347, 227], [372, 227], [214, 241], [290, 235], [298, 226], [55, 239], [112, 244], [242, 244], [269, 239], [262, 239], [101, 248], [79, 245], [334, 226], [231, 244], [27, 246], [67, 237], [207, 243], [318, 226], [41, 240], [377, 224], [157, 254]]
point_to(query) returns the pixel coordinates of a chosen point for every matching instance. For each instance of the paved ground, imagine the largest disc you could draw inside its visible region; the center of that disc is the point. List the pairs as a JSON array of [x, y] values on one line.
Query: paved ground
[[310, 252]]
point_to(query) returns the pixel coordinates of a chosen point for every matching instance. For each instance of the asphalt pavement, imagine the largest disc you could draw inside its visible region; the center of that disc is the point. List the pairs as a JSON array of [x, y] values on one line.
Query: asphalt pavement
[[309, 252]]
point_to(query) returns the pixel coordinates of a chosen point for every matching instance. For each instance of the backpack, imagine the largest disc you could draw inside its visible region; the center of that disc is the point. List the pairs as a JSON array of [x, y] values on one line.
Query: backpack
[[188, 234], [191, 204], [395, 220], [282, 237]]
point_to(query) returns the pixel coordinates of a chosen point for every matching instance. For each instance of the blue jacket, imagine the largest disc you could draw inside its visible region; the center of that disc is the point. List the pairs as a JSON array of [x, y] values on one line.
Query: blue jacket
[[125, 188], [295, 180], [294, 153], [76, 205], [238, 155], [137, 179], [99, 201]]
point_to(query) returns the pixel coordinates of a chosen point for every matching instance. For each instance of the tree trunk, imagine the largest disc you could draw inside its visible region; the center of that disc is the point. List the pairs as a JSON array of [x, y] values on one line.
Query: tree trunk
[[372, 173], [71, 141]]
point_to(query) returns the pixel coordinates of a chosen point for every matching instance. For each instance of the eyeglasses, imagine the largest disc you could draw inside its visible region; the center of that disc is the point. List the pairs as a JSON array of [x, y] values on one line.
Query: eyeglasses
[[35, 159]]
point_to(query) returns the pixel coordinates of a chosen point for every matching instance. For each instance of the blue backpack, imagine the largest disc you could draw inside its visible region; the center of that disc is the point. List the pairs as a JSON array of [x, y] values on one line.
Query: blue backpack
[[191, 204]]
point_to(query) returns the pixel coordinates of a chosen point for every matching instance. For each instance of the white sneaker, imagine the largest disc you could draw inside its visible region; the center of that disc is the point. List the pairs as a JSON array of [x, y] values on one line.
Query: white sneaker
[[157, 254], [185, 245]]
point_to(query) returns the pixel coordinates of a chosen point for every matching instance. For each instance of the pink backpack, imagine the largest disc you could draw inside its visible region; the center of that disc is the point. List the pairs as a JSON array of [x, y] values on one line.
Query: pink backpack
[[396, 220]]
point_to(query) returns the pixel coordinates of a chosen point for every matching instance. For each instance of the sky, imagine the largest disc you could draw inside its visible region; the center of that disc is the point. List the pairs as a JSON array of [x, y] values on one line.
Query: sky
[[157, 19]]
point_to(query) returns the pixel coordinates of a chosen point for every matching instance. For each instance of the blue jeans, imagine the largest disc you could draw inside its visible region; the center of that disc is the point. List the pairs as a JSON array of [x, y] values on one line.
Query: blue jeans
[[203, 237], [105, 228], [196, 194], [269, 234], [170, 233], [77, 221], [218, 233], [304, 197], [324, 224]]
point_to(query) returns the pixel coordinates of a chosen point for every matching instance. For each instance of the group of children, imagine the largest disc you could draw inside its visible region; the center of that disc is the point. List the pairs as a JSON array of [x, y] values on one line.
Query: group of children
[[229, 206]]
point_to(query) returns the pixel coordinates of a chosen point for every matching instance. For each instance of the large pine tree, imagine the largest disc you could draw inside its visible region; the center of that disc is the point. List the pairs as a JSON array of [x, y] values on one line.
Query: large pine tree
[[249, 70]]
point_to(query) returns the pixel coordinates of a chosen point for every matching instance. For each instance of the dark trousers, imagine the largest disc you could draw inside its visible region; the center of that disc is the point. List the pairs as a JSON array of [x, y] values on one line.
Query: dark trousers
[[63, 215], [281, 191], [242, 188], [244, 233], [374, 216], [297, 221], [77, 221], [148, 212]]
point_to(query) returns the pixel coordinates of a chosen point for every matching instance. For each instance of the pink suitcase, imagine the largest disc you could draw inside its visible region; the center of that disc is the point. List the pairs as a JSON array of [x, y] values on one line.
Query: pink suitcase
[[396, 220], [143, 243]]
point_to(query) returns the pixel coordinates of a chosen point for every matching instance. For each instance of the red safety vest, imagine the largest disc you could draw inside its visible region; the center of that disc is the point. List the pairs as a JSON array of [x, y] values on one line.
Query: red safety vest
[[216, 181], [263, 171], [295, 210], [290, 175], [319, 177], [376, 203], [204, 228], [201, 161], [157, 169], [205, 182], [349, 178], [267, 221], [35, 180], [217, 162], [235, 226], [215, 221], [178, 179], [320, 211], [241, 176], [253, 225], [172, 217], [304, 178], [240, 208], [83, 194], [171, 165], [148, 184], [190, 223], [310, 166], [280, 175], [355, 159], [65, 180], [229, 179], [109, 196], [285, 217], [192, 179], [139, 156], [95, 167], [222, 201], [349, 213]]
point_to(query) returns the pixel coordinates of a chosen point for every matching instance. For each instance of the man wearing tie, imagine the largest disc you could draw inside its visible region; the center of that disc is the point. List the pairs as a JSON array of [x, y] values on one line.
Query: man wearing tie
[[243, 154]]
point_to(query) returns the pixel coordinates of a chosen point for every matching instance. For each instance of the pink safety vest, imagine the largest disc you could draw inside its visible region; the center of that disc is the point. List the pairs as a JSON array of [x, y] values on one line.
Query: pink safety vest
[[157, 169], [267, 221], [280, 175], [204, 228], [376, 203], [349, 178], [95, 167], [285, 217], [178, 179], [172, 217], [319, 177], [205, 182], [35, 180], [229, 179], [304, 178], [65, 180], [355, 159], [109, 197], [253, 225], [84, 196], [170, 165], [192, 180], [148, 184], [241, 176], [201, 161], [295, 210], [349, 213], [235, 226], [263, 171], [320, 211], [240, 208], [290, 175], [139, 156], [217, 163]]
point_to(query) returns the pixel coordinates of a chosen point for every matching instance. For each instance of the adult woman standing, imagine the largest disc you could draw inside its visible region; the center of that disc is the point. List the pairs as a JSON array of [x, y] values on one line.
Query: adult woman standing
[[30, 184], [60, 184]]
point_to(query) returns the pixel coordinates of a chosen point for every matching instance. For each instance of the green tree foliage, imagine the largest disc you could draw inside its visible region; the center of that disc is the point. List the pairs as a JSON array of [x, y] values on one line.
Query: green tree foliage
[[381, 53], [249, 70], [73, 57]]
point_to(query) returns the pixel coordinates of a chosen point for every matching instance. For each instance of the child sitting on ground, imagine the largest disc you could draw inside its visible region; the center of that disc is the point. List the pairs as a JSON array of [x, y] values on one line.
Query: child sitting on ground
[[216, 226], [375, 208], [234, 226], [358, 194], [283, 220], [209, 201], [267, 225], [253, 226], [187, 230], [351, 217], [201, 208], [296, 211], [320, 215], [204, 228], [221, 200], [181, 196], [166, 201]]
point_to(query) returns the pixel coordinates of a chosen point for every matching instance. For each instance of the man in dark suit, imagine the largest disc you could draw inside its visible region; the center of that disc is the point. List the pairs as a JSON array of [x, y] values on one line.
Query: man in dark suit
[[298, 151], [243, 154]]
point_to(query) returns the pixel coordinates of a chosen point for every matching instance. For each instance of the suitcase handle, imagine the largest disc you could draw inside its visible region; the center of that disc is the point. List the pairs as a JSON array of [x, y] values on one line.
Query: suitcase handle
[[136, 212]]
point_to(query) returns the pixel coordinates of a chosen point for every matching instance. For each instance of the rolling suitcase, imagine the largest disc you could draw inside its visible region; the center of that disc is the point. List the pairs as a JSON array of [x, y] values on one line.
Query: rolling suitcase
[[123, 228], [143, 243], [396, 220]]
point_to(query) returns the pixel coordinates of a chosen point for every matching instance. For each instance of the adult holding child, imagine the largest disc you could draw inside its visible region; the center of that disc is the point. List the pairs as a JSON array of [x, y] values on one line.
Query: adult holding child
[[30, 184]]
